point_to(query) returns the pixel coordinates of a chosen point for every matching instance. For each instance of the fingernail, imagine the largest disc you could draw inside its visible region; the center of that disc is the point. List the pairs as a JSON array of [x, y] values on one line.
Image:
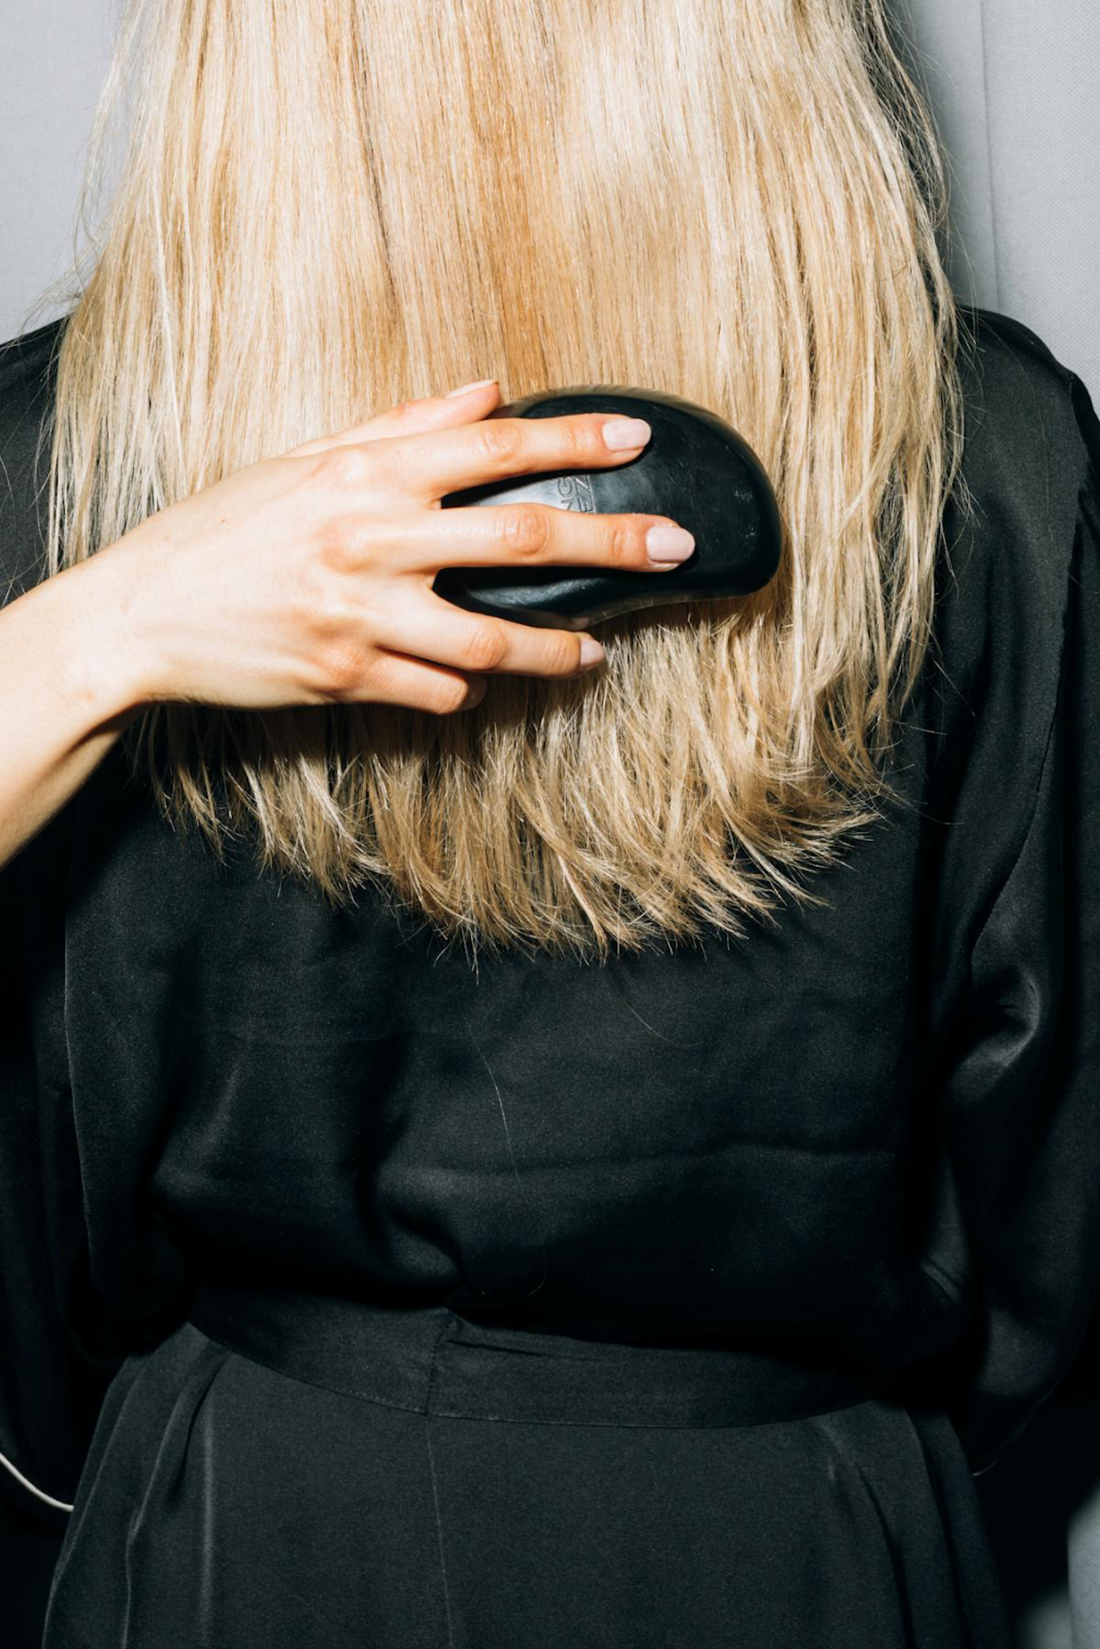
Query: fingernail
[[482, 383], [668, 546], [478, 689], [620, 433], [591, 652]]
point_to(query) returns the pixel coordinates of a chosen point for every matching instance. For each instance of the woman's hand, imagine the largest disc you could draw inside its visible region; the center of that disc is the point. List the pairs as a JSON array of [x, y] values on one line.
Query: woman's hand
[[307, 578]]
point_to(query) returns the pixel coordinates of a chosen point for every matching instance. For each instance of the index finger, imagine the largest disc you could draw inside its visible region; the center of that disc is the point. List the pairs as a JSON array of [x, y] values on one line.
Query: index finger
[[429, 466], [410, 417]]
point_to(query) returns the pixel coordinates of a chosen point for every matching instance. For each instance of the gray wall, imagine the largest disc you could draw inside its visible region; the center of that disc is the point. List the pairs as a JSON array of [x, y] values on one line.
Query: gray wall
[[1016, 88], [53, 62]]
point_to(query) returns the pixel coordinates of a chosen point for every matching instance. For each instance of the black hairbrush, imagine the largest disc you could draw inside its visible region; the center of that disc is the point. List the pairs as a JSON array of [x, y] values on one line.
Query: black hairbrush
[[695, 469]]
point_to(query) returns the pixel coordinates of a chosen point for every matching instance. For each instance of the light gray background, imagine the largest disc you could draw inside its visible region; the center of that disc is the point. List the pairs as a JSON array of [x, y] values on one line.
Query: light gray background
[[54, 56], [1015, 85]]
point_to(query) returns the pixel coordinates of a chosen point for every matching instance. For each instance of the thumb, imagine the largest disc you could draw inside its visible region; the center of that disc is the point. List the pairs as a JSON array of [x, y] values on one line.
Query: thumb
[[460, 406]]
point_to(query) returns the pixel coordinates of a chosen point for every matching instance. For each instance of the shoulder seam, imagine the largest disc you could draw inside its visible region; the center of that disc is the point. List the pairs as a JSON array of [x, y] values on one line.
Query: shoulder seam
[[32, 354], [1011, 331]]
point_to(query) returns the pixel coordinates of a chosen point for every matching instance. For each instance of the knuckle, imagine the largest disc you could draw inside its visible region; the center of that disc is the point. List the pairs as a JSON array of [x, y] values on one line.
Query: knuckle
[[523, 529], [342, 467], [337, 549], [496, 442], [621, 543], [318, 600], [485, 647], [343, 668], [449, 693], [567, 653], [581, 440]]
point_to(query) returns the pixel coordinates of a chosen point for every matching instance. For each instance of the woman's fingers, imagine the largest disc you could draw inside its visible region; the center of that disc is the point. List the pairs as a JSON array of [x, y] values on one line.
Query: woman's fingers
[[420, 684], [411, 417], [425, 468], [430, 627], [495, 534]]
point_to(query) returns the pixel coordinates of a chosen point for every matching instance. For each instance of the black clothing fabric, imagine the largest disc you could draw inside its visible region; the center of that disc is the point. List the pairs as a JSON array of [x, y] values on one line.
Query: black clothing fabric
[[475, 1486], [866, 1141]]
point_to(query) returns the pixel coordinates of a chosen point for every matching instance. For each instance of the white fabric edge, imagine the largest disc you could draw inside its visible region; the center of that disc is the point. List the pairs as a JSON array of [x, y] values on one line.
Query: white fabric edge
[[39, 1494]]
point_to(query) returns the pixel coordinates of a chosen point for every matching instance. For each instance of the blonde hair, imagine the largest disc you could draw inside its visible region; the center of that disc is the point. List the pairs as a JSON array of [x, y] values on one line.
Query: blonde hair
[[326, 207]]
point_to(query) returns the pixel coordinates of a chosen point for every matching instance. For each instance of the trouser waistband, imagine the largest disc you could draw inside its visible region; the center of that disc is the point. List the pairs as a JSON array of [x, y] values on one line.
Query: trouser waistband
[[430, 1360]]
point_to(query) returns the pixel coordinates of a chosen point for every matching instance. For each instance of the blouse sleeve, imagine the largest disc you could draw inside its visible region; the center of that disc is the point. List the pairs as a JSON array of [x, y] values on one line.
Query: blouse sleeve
[[1020, 1071], [57, 1347]]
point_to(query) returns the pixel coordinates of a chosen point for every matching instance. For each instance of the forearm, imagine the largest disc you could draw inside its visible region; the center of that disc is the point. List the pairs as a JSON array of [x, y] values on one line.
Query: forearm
[[64, 696]]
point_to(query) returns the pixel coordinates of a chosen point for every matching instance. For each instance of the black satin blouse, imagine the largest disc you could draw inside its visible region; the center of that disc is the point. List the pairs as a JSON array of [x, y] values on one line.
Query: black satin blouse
[[876, 1128]]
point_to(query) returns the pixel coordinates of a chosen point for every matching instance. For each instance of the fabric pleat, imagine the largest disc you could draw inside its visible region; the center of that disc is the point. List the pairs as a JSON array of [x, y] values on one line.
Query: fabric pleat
[[229, 1506]]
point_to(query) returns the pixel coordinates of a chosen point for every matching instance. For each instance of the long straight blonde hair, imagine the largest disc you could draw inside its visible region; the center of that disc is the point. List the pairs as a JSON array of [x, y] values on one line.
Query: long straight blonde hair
[[326, 207]]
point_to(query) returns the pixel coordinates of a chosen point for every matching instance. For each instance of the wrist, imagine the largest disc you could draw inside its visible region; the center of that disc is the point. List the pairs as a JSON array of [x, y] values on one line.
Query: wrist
[[104, 667]]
